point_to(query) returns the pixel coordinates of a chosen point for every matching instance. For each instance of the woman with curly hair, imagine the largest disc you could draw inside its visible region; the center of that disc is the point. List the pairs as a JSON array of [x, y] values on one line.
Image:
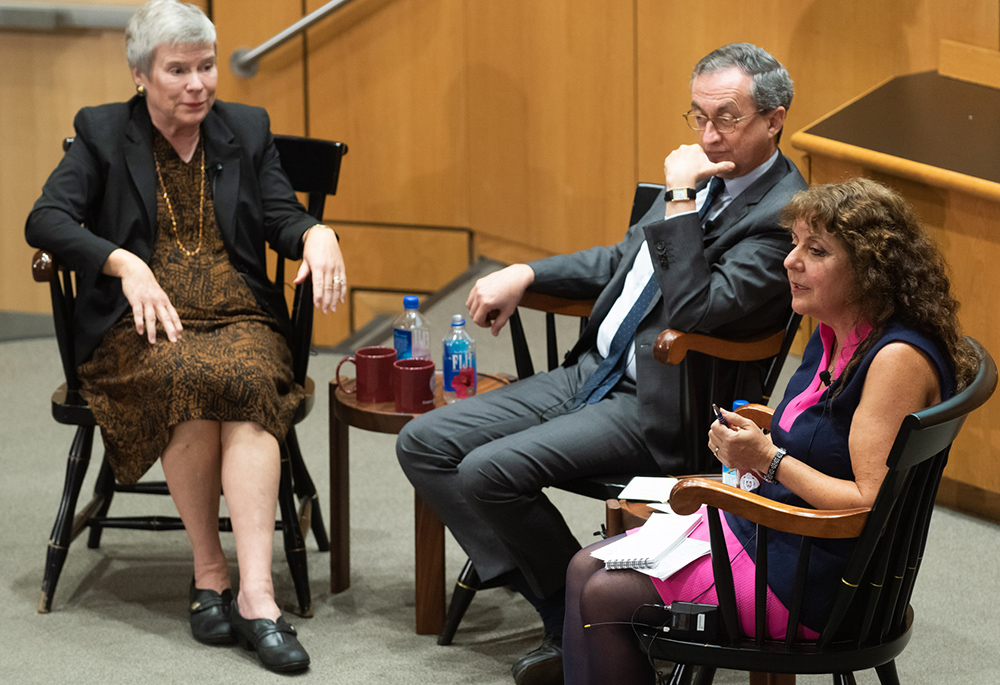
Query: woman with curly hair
[[888, 344]]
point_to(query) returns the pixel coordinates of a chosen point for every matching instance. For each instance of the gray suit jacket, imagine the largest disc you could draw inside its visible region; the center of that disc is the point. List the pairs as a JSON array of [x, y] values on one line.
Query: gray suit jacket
[[103, 196], [726, 280]]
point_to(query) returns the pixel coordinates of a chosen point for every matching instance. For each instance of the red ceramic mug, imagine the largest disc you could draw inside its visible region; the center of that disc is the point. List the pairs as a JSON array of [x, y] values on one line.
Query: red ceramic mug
[[415, 383], [373, 381]]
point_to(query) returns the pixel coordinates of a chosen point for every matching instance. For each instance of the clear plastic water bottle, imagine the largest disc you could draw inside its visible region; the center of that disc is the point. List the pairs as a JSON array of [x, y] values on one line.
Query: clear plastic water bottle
[[459, 362], [732, 476], [411, 336]]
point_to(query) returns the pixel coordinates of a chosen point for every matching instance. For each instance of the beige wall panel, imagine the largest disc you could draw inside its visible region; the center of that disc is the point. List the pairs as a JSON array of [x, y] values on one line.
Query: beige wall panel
[[551, 121], [278, 83], [964, 228], [387, 77], [833, 50], [368, 305], [509, 252], [44, 79], [390, 257]]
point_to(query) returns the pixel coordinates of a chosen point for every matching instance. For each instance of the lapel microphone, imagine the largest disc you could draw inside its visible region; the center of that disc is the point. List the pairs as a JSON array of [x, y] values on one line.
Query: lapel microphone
[[217, 169], [824, 376]]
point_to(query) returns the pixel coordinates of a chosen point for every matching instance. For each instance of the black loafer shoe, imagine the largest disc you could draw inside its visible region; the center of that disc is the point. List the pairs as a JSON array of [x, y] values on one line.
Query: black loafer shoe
[[210, 622], [541, 666], [275, 642]]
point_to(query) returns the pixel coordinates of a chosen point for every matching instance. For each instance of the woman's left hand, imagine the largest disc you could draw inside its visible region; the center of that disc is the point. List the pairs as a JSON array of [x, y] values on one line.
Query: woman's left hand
[[741, 445], [322, 258]]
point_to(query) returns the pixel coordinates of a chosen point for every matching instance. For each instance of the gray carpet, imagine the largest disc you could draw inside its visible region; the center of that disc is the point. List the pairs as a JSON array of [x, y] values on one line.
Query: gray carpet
[[119, 614]]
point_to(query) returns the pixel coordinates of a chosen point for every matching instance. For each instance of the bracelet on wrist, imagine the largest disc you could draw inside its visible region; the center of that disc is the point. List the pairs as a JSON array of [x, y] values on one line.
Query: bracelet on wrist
[[772, 470]]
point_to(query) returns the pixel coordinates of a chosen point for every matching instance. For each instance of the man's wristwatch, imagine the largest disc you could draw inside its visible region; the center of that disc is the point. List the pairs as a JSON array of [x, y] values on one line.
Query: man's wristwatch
[[679, 194]]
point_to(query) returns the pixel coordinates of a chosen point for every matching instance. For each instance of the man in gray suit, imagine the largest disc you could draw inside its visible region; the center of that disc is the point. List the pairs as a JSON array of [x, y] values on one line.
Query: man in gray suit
[[707, 257]]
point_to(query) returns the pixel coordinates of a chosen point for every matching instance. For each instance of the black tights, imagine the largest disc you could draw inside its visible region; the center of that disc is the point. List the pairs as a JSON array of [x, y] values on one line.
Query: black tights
[[611, 653]]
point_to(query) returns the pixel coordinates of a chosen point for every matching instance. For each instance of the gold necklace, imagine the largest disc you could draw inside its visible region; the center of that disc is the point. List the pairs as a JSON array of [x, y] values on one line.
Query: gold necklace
[[170, 208]]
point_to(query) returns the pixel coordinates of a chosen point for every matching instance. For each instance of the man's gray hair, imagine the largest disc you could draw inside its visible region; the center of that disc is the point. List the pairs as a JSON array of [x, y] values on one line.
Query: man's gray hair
[[164, 22], [772, 86]]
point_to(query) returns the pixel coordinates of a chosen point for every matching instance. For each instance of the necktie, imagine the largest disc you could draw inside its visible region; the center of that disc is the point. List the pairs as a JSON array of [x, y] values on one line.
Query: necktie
[[612, 368], [715, 188]]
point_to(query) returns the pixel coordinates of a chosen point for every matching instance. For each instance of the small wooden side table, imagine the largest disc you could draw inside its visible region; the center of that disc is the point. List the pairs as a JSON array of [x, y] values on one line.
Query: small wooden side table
[[382, 417]]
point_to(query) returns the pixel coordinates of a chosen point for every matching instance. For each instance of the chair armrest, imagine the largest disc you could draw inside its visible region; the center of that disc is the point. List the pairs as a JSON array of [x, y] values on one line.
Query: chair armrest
[[556, 305], [691, 493], [758, 413], [44, 268], [621, 515], [672, 346]]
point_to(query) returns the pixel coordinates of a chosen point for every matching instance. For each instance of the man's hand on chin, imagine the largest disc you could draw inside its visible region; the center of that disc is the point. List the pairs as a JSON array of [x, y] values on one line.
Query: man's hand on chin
[[685, 167]]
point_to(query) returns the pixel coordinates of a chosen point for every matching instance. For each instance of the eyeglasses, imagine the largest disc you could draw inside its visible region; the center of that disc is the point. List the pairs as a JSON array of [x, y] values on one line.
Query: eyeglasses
[[723, 123]]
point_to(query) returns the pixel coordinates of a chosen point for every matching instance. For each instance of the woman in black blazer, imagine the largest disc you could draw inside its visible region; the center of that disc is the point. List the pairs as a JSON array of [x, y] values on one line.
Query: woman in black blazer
[[162, 206]]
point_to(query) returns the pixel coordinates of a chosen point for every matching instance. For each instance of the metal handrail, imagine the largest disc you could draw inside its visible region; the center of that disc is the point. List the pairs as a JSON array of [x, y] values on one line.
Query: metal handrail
[[243, 61]]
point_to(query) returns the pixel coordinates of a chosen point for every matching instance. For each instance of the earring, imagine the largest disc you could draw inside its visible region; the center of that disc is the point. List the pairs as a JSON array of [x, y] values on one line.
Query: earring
[[140, 90]]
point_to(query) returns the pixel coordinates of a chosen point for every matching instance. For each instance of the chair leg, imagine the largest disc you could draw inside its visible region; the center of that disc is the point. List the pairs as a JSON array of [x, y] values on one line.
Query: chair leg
[[309, 510], [104, 489], [681, 675], [465, 589], [887, 673], [295, 547], [62, 531], [705, 676]]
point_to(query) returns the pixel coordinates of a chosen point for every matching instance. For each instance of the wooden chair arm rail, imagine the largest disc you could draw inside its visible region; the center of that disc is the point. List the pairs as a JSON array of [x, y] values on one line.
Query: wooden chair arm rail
[[691, 493], [672, 346], [758, 413], [555, 304], [43, 267]]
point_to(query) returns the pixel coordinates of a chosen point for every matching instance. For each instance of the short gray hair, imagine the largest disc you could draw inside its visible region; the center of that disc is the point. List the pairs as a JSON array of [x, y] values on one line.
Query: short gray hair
[[772, 86], [164, 22]]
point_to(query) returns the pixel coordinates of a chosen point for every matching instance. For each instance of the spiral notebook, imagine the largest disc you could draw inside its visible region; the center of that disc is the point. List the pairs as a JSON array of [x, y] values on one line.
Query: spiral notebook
[[660, 548]]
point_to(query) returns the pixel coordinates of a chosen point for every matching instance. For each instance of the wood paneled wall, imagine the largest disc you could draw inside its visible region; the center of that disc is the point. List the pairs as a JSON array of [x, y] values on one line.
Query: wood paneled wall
[[44, 80], [528, 122]]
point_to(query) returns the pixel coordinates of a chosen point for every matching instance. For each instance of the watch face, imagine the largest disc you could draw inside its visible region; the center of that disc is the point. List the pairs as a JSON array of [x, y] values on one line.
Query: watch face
[[680, 194]]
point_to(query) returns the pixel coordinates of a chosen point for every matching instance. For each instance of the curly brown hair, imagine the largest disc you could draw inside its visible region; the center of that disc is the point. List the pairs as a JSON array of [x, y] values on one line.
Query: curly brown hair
[[898, 272]]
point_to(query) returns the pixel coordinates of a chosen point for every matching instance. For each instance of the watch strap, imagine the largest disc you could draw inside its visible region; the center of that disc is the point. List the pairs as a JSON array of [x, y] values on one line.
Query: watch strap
[[772, 470], [679, 194]]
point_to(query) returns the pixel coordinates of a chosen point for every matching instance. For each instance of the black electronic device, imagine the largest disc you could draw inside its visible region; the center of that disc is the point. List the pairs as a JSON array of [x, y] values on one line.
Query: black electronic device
[[693, 622]]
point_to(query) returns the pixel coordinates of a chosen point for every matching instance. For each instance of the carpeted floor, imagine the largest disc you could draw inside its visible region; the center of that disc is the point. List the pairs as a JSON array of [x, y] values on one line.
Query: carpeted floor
[[119, 614]]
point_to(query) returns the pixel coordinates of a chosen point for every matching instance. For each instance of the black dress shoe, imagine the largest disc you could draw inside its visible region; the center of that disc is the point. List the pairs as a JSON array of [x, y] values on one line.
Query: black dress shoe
[[210, 616], [542, 665], [275, 642]]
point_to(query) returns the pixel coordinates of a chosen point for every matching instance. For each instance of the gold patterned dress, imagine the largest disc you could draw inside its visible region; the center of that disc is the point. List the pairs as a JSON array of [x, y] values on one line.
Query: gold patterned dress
[[231, 364]]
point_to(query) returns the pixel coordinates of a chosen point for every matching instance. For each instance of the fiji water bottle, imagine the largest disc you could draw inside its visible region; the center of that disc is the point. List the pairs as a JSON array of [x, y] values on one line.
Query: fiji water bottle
[[411, 336], [732, 476], [459, 362]]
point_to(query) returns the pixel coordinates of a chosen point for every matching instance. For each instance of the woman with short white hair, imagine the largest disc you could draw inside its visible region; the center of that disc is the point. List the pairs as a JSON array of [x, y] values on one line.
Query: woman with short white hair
[[163, 205]]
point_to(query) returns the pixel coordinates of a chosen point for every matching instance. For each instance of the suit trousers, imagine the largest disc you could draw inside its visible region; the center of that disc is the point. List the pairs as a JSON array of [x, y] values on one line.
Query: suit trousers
[[481, 464]]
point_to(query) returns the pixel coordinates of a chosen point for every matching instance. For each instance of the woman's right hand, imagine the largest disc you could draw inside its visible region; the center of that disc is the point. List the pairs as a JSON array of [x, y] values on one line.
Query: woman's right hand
[[149, 302]]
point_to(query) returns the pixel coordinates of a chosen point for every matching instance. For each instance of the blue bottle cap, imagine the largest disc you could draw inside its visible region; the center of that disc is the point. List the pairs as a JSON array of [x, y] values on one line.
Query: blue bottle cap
[[458, 320], [739, 403], [411, 302]]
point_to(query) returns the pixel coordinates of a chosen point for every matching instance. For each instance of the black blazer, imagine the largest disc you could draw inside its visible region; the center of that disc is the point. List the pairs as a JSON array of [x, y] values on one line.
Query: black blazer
[[726, 280], [102, 196]]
